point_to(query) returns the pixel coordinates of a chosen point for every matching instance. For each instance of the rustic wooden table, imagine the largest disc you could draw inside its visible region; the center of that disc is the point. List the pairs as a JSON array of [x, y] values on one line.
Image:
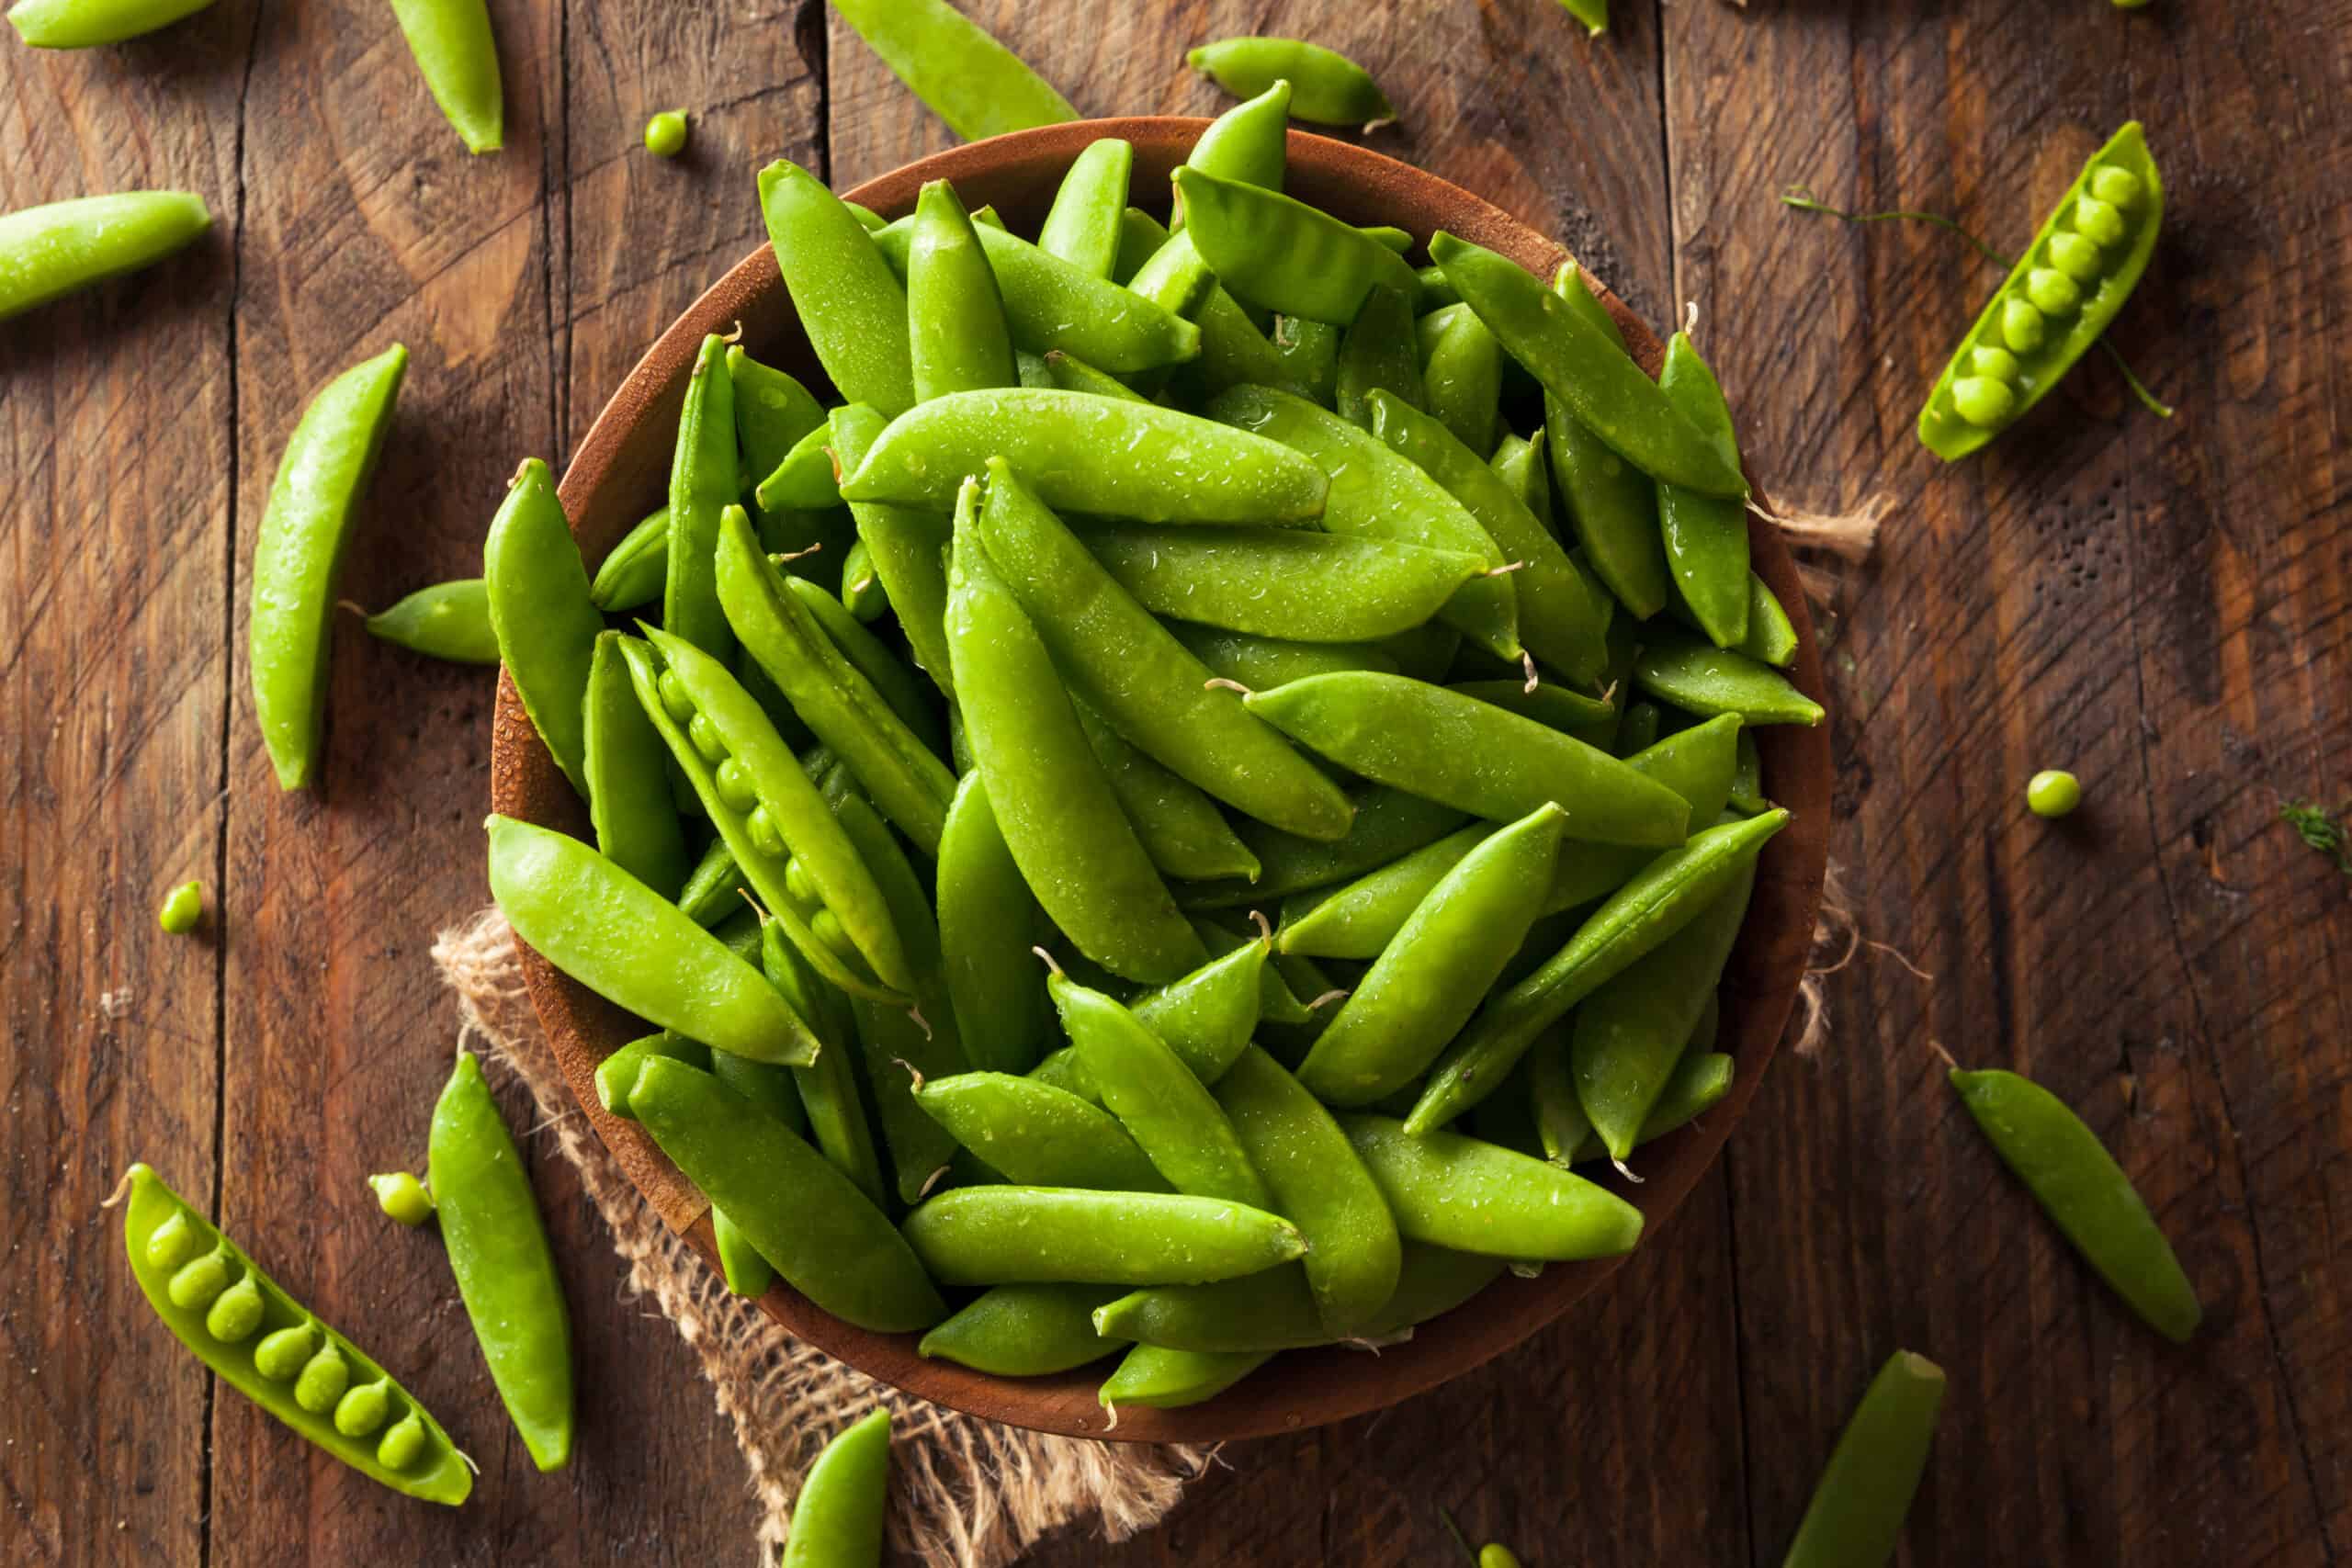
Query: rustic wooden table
[[2163, 607]]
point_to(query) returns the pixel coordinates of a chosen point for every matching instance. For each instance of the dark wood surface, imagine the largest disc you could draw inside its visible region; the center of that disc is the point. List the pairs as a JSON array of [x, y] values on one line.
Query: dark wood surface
[[2164, 607]]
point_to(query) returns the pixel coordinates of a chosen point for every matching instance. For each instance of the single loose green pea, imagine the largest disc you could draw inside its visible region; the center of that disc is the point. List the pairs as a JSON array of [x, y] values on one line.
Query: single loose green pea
[[322, 1381], [761, 827], [707, 738], [674, 697], [1983, 401], [363, 1409], [235, 1313], [735, 785], [183, 907], [2098, 220], [282, 1352], [2052, 291], [2053, 793], [405, 1440], [401, 1196], [665, 137], [173, 1242], [2117, 187], [2076, 255], [196, 1283], [2022, 326], [1994, 361]]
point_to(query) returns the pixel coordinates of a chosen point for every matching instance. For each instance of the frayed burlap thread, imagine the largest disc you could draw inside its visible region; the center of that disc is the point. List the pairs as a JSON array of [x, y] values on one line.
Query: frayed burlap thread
[[966, 1493]]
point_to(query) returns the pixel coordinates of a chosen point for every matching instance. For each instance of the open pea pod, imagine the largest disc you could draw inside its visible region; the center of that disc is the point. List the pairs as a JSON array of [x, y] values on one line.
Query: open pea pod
[[271, 1348]]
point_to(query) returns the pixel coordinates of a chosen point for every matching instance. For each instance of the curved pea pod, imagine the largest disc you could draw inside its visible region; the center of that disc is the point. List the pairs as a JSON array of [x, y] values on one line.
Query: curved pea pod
[[1248, 143], [1328, 87], [1632, 1031], [299, 556], [1706, 536], [1458, 1193], [633, 947], [633, 571], [1591, 376], [848, 299], [49, 251], [1169, 1111], [1463, 374], [1696, 763], [1663, 897], [624, 766], [1257, 661], [1561, 621], [1375, 493], [955, 314], [2086, 1194], [1071, 374], [1320, 1186], [1276, 1310], [445, 620], [704, 483], [1361, 918], [1024, 1331], [84, 24], [1704, 680], [2062, 294], [1050, 304], [1095, 456], [773, 410], [1036, 1135], [824, 1236], [1278, 254], [1207, 1018], [505, 1270], [905, 778], [1471, 755], [451, 42], [186, 1269], [1180, 827], [1053, 806], [1699, 1083], [1430, 978], [829, 1096], [1772, 637], [714, 888], [837, 1520], [1171, 1380], [1126, 667], [1612, 506], [803, 478], [1857, 1508], [907, 546], [616, 1074], [1082, 226], [1388, 823], [540, 609], [1378, 352], [1002, 1235], [771, 817], [1517, 461], [1284, 582], [987, 921]]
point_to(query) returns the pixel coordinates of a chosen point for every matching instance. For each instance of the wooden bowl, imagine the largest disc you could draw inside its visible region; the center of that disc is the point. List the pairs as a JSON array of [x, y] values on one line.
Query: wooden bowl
[[621, 473]]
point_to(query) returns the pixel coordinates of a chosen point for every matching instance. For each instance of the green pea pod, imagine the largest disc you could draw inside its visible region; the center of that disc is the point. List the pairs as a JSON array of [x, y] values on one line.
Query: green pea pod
[[804, 478], [850, 302], [446, 620], [1175, 278], [1388, 823], [1095, 456], [1465, 376], [1560, 620], [1706, 536], [1057, 812], [824, 1236], [616, 1074], [1562, 1128], [1024, 1331], [452, 43], [262, 1342], [49, 251], [906, 548], [1361, 918], [2087, 1195], [988, 922], [715, 888], [1550, 705], [1329, 88], [1172, 1380], [906, 779], [1662, 897], [83, 24], [1207, 1018], [897, 685], [1083, 224], [540, 610], [1071, 374], [1248, 143], [570, 904], [1280, 1003], [746, 1273], [702, 485], [2083, 262], [829, 1089], [1458, 1193], [1771, 638], [633, 574], [954, 313], [1471, 755], [1036, 1135], [1431, 978], [1167, 1109], [1049, 304], [625, 767], [1129, 669], [1284, 582], [1591, 376], [837, 1520], [1612, 506], [1180, 828], [1281, 254], [1320, 1186], [1632, 1031], [298, 555], [1141, 237], [1005, 1236], [1377, 353], [1259, 661], [959, 71], [1698, 678], [1696, 763], [1699, 1082], [772, 818], [1375, 493], [773, 410], [1276, 1310], [1857, 1506], [507, 1274]]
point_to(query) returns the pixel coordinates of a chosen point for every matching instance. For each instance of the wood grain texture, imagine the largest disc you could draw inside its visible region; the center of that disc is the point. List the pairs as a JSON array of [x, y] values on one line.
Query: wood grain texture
[[2163, 607]]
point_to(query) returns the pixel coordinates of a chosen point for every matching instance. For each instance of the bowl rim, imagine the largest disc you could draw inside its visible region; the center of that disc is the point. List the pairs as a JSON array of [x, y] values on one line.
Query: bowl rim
[[1300, 1389]]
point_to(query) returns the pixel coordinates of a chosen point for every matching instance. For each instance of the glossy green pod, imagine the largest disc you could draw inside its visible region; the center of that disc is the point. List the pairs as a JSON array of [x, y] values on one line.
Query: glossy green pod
[[54, 249], [996, 1235], [1325, 86], [837, 1520], [956, 67], [453, 47], [445, 620], [1024, 1331], [1857, 1508]]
